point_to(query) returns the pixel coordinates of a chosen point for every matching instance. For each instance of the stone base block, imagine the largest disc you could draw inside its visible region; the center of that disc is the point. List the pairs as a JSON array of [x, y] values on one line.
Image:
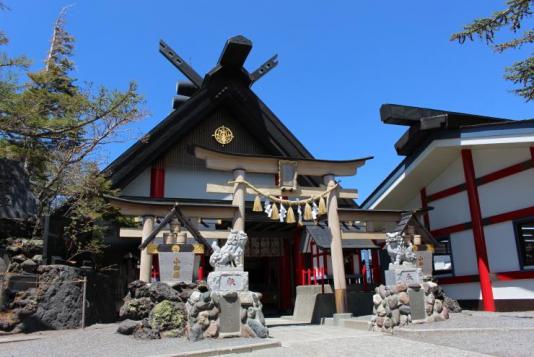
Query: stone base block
[[338, 318], [409, 275], [228, 280]]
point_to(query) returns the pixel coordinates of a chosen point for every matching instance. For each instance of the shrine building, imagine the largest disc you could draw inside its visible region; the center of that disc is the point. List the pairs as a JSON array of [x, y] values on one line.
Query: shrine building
[[477, 175], [194, 157]]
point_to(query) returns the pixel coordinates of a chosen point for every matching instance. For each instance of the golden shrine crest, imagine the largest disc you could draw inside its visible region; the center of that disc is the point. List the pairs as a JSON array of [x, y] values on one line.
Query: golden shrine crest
[[223, 135]]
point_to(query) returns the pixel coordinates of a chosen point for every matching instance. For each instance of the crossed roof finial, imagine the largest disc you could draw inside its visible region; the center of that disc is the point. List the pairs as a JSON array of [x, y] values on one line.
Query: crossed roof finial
[[233, 57]]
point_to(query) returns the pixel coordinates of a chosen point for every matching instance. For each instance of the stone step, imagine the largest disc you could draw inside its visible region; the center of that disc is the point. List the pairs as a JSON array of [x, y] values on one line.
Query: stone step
[[356, 324]]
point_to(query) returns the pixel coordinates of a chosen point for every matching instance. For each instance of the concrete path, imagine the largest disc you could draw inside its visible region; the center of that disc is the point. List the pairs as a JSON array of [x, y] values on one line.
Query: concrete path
[[314, 340]]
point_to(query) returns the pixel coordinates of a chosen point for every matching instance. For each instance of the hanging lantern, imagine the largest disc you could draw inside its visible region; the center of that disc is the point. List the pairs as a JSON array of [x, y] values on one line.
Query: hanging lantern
[[257, 204], [322, 206]]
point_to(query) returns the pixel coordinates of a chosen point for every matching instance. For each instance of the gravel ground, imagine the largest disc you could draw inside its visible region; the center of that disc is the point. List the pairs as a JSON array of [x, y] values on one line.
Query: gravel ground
[[480, 319], [314, 340], [470, 333], [496, 343], [101, 340], [499, 334]]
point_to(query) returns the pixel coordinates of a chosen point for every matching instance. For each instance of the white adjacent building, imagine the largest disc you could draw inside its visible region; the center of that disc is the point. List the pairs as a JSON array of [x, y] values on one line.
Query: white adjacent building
[[476, 174]]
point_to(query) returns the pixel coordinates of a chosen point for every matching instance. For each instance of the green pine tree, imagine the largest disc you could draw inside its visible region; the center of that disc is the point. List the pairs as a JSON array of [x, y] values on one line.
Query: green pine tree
[[56, 127], [520, 73]]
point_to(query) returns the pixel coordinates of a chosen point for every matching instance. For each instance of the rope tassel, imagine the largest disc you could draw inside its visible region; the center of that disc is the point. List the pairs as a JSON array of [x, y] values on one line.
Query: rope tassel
[[308, 212], [257, 205], [322, 206], [290, 215], [274, 213]]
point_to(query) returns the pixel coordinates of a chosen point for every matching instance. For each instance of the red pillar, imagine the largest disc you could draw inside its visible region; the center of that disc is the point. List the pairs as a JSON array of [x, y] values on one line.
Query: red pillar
[[478, 231], [359, 262], [157, 180], [285, 278], [298, 257], [157, 190], [375, 268], [424, 205]]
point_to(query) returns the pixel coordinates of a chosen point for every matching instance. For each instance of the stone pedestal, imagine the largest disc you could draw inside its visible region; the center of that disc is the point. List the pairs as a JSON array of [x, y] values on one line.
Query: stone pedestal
[[408, 274], [240, 309], [228, 280]]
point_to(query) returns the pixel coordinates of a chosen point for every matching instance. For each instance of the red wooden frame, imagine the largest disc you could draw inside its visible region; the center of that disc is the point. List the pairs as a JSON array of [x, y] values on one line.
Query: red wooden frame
[[458, 279], [478, 231], [375, 268], [493, 176], [298, 257], [445, 231], [504, 276], [157, 190], [424, 205], [285, 279], [446, 193], [514, 275], [499, 218], [157, 180]]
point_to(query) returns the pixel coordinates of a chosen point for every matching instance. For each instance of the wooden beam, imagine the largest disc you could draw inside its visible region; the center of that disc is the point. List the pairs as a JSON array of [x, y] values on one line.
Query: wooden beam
[[217, 160], [363, 215], [363, 235], [135, 233], [130, 207], [276, 191]]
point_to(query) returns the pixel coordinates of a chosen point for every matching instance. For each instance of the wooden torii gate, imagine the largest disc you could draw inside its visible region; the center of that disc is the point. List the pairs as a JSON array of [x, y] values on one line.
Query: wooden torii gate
[[240, 164]]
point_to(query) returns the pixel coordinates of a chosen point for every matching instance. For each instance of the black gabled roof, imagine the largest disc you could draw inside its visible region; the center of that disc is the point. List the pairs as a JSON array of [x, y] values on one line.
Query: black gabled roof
[[226, 85], [424, 123], [322, 236], [420, 134], [410, 218]]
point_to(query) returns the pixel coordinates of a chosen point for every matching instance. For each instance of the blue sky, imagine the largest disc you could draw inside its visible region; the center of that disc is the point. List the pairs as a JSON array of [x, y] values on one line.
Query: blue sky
[[339, 61]]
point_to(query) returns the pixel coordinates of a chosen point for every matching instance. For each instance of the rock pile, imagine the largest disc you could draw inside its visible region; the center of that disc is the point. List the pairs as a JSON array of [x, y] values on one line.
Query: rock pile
[[392, 306], [252, 319], [25, 254], [156, 310], [202, 315]]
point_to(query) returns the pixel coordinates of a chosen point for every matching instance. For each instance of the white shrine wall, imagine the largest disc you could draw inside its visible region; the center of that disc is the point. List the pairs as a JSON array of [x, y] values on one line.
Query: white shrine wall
[[504, 195], [191, 183], [139, 186]]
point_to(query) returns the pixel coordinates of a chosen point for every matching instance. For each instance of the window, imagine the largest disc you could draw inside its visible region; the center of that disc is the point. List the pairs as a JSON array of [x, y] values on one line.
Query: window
[[525, 243], [442, 258]]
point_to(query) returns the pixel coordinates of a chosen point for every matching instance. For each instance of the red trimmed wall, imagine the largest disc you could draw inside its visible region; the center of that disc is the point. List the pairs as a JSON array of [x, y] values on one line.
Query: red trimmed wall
[[477, 223]]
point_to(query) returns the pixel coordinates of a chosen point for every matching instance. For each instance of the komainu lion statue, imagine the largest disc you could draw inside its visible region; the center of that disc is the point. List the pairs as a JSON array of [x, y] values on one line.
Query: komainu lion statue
[[398, 249], [230, 254]]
